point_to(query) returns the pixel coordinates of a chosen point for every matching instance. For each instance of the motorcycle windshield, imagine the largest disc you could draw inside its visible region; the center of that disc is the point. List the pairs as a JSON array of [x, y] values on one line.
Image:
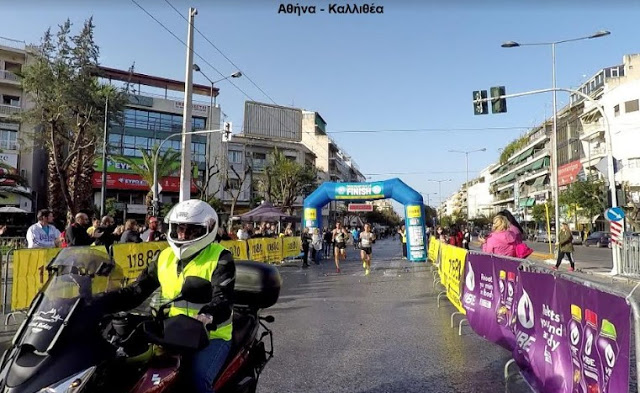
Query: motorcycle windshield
[[76, 275]]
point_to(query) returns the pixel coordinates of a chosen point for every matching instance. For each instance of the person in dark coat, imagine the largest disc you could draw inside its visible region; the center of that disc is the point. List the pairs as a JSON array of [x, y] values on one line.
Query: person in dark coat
[[76, 233], [131, 233]]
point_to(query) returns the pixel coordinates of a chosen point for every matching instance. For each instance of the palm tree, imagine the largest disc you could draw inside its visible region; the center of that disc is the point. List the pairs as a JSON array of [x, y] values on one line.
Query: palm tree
[[168, 161]]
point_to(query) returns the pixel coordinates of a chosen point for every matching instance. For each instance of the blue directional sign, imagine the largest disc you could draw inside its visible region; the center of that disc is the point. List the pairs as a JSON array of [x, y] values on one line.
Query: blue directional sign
[[614, 214]]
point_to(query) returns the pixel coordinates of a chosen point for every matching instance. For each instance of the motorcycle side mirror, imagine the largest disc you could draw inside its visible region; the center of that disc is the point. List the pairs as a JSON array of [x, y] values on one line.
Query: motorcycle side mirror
[[196, 290]]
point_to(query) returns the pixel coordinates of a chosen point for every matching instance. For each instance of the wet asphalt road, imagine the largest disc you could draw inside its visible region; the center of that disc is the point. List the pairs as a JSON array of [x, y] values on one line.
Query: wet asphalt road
[[382, 333]]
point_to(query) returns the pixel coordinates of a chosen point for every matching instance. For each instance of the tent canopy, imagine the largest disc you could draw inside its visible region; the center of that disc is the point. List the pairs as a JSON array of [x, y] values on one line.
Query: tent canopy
[[265, 212]]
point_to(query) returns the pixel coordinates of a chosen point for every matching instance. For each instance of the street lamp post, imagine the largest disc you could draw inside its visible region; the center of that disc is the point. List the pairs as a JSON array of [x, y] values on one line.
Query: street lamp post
[[466, 154], [439, 192], [155, 163], [212, 99], [554, 140]]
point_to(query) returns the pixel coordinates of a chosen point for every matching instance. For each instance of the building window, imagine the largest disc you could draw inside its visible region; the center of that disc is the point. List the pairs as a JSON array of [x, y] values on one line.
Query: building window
[[235, 157], [631, 106], [233, 184], [614, 72], [10, 100], [290, 158], [634, 162], [8, 139], [616, 110]]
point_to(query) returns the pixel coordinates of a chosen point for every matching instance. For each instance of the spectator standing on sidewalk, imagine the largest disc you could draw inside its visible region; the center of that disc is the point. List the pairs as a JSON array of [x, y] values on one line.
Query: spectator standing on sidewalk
[[403, 244], [43, 234], [306, 241], [130, 234], [153, 234], [328, 238], [316, 243], [565, 246], [107, 228], [92, 228], [501, 241], [76, 233]]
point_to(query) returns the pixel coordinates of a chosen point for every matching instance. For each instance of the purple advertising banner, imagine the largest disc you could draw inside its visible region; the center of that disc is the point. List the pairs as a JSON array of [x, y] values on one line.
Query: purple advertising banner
[[489, 289], [570, 338]]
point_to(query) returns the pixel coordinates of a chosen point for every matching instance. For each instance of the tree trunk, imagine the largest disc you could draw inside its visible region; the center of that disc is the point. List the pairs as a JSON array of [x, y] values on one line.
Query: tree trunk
[[55, 199]]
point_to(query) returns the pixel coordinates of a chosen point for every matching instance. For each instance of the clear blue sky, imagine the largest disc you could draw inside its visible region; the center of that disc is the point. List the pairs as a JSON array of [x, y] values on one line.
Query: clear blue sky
[[413, 67]]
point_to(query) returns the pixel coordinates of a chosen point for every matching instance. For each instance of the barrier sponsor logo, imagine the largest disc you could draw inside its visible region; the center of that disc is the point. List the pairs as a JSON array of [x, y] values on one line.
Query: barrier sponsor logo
[[434, 248], [133, 258], [451, 273], [257, 251], [238, 248], [567, 332], [291, 246], [360, 191]]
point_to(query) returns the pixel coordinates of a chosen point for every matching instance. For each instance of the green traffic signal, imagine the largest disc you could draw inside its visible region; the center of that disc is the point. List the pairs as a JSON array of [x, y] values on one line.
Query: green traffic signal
[[480, 107], [498, 105]]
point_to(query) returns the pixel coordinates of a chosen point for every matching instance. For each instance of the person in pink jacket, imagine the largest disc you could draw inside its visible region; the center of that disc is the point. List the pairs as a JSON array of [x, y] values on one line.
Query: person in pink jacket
[[501, 241]]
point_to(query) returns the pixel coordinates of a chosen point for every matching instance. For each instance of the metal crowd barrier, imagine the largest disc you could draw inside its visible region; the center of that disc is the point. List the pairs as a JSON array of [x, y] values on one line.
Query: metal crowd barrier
[[632, 297], [631, 256]]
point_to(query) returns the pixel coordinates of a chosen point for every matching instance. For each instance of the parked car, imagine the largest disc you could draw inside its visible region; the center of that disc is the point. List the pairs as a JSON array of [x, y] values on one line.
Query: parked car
[[544, 238], [577, 237], [598, 239]]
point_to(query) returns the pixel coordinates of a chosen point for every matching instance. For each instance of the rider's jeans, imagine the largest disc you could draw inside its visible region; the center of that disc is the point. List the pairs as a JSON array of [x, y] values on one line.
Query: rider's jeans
[[208, 363]]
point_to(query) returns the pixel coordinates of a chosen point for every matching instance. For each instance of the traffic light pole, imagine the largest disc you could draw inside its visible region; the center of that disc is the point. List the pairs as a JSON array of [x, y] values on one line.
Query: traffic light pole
[[610, 170]]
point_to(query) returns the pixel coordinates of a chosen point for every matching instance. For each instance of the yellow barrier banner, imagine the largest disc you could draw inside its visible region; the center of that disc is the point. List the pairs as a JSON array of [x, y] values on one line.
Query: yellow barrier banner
[[452, 264], [237, 247], [291, 246], [29, 274], [257, 251], [273, 247], [434, 248], [133, 258]]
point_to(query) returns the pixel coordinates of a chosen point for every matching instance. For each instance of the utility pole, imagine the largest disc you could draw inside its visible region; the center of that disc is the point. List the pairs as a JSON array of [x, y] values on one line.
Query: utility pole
[[185, 167], [105, 145]]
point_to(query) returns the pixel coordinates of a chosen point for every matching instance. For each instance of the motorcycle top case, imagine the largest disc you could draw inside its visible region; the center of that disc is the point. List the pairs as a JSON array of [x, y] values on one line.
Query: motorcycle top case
[[257, 284]]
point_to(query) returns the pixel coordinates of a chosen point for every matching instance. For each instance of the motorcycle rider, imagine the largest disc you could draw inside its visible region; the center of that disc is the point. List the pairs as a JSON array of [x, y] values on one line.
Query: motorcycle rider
[[193, 226]]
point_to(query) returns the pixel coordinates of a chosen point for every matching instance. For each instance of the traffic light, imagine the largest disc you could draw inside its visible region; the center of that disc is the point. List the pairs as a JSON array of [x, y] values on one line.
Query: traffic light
[[498, 105], [480, 107]]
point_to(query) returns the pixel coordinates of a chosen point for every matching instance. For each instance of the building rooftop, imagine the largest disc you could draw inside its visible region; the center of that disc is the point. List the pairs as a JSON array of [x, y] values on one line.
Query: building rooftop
[[153, 81]]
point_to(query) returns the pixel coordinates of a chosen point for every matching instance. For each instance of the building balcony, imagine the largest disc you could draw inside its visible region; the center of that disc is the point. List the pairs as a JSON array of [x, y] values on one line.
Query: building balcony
[[503, 201], [592, 130], [593, 156], [9, 110], [9, 77], [538, 155]]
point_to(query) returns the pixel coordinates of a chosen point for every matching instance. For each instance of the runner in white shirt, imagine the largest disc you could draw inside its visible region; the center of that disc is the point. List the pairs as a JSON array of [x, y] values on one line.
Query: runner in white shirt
[[42, 234], [366, 240]]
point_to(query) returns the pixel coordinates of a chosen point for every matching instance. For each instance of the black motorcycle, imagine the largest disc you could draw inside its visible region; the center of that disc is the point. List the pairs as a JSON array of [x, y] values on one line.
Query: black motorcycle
[[67, 344]]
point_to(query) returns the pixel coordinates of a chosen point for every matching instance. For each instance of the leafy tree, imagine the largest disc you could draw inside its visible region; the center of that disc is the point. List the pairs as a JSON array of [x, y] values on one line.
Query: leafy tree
[[286, 180], [69, 104], [539, 213], [588, 196], [168, 162], [482, 221], [110, 207], [513, 147]]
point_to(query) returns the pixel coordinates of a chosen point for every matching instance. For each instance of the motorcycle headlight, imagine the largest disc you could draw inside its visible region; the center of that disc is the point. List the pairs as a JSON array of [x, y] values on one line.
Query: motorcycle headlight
[[73, 384]]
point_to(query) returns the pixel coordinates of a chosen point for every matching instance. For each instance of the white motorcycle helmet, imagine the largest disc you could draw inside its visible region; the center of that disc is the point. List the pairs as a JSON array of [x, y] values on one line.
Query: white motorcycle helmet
[[193, 225]]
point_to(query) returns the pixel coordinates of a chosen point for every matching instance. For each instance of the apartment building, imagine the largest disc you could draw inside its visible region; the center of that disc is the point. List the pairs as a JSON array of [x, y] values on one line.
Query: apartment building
[[479, 198], [152, 117], [17, 153], [523, 179]]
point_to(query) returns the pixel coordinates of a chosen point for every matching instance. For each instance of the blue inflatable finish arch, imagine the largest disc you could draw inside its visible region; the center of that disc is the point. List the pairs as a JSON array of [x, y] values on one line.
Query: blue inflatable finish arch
[[358, 192]]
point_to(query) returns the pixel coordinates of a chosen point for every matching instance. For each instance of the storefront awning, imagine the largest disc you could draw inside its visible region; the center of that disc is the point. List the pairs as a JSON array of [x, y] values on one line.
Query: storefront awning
[[526, 202], [524, 155]]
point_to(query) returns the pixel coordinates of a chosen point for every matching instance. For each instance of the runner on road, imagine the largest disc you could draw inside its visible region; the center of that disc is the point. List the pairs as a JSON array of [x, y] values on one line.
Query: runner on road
[[340, 240], [366, 240]]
